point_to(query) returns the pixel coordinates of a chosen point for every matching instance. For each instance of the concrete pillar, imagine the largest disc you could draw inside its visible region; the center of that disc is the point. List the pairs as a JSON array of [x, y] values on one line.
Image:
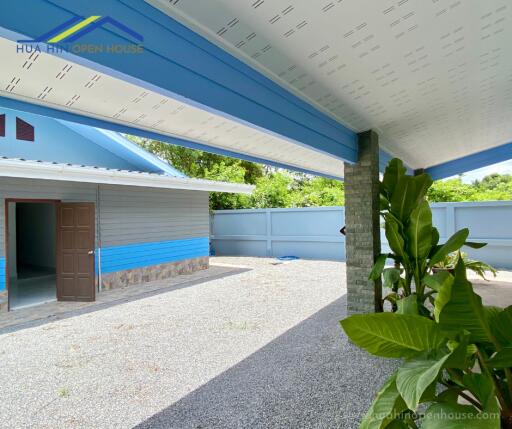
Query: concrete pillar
[[363, 226]]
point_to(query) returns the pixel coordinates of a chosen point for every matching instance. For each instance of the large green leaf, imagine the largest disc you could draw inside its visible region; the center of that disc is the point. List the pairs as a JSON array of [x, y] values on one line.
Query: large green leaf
[[464, 310], [444, 290], [501, 325], [454, 416], [378, 267], [422, 183], [409, 192], [416, 376], [395, 170], [454, 243], [460, 352], [386, 406], [435, 237], [397, 424], [383, 198], [419, 231], [502, 359], [390, 276], [408, 305], [393, 335], [437, 280], [475, 245], [395, 239], [482, 388]]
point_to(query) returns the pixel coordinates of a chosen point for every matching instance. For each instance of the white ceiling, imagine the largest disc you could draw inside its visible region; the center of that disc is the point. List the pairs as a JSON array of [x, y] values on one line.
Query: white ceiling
[[49, 80], [433, 77]]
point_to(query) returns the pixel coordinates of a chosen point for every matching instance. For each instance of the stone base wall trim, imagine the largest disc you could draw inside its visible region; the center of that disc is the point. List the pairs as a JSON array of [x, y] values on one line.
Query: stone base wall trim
[[152, 273], [3, 301]]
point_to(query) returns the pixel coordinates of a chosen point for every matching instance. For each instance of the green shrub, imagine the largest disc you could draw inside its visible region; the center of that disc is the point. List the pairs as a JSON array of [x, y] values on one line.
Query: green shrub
[[459, 364], [413, 240]]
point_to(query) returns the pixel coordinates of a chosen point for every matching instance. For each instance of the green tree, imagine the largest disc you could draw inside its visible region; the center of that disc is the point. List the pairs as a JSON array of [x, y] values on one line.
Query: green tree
[[281, 188], [272, 190], [494, 181], [319, 191], [491, 188], [451, 190], [205, 165]]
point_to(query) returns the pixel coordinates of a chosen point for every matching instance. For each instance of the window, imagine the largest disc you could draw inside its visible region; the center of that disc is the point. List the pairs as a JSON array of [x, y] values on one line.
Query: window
[[24, 131], [2, 125]]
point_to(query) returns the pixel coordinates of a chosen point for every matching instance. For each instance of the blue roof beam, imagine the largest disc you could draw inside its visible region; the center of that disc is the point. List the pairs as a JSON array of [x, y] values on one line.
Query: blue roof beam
[[471, 162]]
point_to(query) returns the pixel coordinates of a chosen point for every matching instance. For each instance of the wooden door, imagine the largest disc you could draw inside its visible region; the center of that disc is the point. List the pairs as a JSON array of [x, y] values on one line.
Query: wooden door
[[75, 251]]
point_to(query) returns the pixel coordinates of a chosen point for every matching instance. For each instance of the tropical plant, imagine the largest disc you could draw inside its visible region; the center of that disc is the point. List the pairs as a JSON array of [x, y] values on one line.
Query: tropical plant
[[413, 240], [478, 267], [458, 365]]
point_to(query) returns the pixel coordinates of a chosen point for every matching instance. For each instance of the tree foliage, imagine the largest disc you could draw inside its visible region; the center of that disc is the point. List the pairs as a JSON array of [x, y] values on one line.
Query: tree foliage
[[274, 187], [282, 188], [490, 188]]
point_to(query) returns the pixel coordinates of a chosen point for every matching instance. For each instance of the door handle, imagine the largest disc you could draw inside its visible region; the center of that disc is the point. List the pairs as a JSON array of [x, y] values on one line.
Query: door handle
[[90, 252]]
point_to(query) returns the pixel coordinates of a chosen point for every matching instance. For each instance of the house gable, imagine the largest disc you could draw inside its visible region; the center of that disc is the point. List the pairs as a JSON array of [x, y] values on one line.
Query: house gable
[[63, 142]]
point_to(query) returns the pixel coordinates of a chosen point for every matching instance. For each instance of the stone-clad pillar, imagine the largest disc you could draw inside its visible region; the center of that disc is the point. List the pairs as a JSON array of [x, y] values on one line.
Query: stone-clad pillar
[[363, 226]]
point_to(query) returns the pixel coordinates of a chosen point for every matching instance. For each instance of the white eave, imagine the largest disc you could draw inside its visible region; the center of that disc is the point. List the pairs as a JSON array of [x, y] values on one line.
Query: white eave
[[75, 173]]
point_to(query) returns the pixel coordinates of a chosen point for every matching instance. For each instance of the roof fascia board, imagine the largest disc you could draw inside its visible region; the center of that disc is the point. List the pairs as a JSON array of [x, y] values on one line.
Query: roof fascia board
[[72, 173]]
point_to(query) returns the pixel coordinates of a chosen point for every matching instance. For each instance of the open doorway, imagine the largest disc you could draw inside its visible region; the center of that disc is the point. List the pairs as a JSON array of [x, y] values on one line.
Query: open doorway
[[31, 253]]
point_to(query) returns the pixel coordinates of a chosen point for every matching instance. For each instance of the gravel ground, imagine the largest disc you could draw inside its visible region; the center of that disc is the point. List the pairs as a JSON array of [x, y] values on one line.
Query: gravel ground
[[261, 349]]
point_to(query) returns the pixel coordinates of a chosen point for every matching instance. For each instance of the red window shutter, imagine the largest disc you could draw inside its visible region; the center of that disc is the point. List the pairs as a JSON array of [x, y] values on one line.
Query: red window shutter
[[2, 125], [24, 131]]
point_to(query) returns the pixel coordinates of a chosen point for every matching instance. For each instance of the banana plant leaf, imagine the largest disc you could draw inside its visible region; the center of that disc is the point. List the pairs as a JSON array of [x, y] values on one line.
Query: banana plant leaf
[[501, 324], [455, 416], [414, 377], [393, 335], [386, 406], [454, 243], [464, 310], [393, 173], [502, 359], [408, 305], [409, 192], [395, 239], [378, 267], [419, 231]]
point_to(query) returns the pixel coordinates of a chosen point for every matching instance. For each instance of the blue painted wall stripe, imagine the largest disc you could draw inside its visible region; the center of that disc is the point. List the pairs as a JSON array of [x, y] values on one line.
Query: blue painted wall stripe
[[2, 274], [120, 258]]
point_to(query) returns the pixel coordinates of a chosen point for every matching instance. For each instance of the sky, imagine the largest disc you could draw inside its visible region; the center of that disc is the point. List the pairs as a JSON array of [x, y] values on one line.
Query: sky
[[501, 168]]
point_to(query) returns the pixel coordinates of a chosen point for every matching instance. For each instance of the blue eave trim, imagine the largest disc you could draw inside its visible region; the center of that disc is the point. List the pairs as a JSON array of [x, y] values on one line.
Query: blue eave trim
[[181, 64], [471, 162], [11, 103]]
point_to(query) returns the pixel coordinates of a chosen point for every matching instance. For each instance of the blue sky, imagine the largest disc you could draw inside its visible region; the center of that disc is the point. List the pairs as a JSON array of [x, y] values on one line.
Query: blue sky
[[501, 168]]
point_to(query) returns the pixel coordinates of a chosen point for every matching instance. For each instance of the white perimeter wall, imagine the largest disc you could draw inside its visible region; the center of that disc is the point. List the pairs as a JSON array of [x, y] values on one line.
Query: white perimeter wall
[[314, 232]]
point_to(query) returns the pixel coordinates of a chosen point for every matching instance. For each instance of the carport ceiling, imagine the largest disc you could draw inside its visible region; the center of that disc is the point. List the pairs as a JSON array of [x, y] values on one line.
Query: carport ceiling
[[292, 82], [434, 77], [64, 84]]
